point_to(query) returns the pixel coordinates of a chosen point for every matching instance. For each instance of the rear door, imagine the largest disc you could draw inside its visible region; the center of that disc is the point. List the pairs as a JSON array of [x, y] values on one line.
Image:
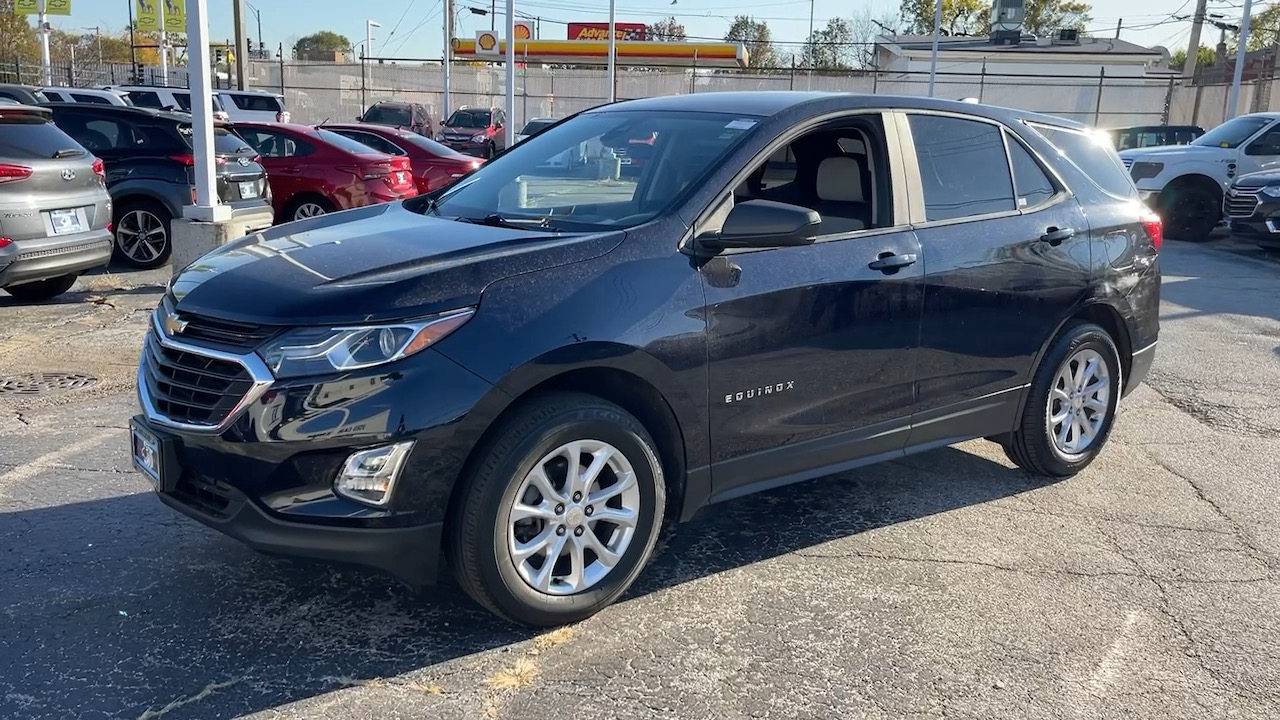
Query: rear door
[[1007, 257], [48, 186]]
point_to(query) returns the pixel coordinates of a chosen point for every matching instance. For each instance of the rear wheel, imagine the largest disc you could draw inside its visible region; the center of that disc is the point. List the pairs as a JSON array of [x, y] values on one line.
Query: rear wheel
[[1070, 405], [143, 233], [307, 206], [562, 512], [43, 289], [1190, 209]]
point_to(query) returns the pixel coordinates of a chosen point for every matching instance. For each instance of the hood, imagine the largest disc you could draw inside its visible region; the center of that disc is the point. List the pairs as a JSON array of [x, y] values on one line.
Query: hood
[[1170, 152], [381, 262], [1258, 179], [468, 131]]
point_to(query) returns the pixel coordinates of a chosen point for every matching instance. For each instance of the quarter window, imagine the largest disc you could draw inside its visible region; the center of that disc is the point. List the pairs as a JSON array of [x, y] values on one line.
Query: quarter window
[[963, 167], [91, 99], [1031, 185], [145, 98], [1095, 158]]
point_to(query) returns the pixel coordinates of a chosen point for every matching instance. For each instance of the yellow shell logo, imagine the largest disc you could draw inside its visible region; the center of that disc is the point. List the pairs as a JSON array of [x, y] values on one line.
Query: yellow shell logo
[[522, 32], [487, 41]]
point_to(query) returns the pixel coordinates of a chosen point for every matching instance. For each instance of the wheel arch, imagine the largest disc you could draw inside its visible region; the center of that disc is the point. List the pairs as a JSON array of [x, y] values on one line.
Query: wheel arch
[[121, 198], [1106, 316], [1196, 177]]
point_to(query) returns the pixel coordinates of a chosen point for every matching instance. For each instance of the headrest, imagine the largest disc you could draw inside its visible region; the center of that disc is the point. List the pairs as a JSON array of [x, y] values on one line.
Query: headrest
[[840, 180]]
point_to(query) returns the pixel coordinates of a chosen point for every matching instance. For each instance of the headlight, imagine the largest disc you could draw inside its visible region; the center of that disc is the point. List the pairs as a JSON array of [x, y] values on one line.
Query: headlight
[[479, 137], [323, 350], [439, 137], [1144, 170], [1271, 191]]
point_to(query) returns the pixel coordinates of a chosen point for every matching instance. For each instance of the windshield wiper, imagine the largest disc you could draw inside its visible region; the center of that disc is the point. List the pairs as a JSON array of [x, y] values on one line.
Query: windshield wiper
[[497, 220]]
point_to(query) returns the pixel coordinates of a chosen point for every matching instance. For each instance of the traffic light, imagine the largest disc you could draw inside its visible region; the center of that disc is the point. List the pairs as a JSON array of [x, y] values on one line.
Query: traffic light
[[250, 46]]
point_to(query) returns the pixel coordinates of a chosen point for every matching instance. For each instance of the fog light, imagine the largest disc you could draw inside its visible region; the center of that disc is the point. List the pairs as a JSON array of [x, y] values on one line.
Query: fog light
[[369, 476]]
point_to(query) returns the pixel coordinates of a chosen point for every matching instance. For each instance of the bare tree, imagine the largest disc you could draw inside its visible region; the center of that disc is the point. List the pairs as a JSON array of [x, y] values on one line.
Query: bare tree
[[867, 29]]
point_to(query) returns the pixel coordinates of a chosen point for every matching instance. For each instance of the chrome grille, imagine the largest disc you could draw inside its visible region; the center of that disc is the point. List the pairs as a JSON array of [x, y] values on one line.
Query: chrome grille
[[189, 388], [228, 334], [1240, 202]]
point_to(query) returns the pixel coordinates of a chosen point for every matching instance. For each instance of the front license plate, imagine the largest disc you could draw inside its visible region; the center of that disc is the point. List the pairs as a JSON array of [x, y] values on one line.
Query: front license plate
[[65, 222], [248, 190], [624, 161], [146, 453]]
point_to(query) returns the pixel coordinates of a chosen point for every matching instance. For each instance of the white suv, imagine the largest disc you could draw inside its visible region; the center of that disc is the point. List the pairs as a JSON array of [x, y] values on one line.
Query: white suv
[[253, 105], [166, 98], [119, 98]]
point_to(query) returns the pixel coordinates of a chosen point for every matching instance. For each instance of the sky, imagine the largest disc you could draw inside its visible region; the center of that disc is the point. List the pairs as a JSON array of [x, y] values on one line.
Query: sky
[[414, 28]]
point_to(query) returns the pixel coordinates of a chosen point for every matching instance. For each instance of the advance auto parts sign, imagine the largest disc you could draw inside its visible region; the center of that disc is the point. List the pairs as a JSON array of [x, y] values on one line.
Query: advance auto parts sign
[[600, 31]]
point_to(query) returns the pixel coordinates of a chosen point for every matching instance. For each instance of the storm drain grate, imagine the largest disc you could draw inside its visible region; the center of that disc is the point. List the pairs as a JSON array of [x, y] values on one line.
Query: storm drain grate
[[40, 383]]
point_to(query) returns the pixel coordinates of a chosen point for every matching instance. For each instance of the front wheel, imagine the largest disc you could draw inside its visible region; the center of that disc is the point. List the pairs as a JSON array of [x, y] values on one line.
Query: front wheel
[[1190, 211], [1070, 406], [562, 512]]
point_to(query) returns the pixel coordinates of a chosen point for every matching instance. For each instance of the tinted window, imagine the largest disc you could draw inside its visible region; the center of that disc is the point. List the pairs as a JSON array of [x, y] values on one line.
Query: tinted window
[[225, 142], [30, 137], [1030, 181], [53, 96], [963, 167], [1095, 158], [345, 143], [389, 115], [429, 145], [536, 126], [183, 100], [373, 141], [470, 119], [10, 96], [256, 103], [145, 98], [91, 99], [269, 144]]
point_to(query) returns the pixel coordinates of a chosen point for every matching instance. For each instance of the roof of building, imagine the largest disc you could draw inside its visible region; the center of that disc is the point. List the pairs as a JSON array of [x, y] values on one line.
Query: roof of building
[[981, 43]]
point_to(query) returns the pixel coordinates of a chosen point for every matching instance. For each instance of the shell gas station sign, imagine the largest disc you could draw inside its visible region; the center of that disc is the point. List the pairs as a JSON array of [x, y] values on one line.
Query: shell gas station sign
[[589, 45]]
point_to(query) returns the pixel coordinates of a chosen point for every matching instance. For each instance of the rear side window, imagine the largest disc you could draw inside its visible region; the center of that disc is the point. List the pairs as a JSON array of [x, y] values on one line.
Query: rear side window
[[1031, 184], [346, 143], [256, 103], [92, 99], [25, 137], [963, 167], [377, 143], [184, 101], [145, 98], [1092, 156], [54, 97], [225, 142]]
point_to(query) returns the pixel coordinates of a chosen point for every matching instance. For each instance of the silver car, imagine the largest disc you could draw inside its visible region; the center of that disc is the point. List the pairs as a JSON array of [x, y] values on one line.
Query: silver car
[[55, 213]]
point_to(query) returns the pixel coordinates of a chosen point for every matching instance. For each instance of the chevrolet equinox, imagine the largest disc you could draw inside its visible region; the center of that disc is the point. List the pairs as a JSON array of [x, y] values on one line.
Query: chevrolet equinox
[[522, 376]]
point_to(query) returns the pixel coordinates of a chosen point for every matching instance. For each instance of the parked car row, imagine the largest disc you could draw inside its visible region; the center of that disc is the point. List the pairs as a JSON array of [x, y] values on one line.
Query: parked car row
[[228, 105]]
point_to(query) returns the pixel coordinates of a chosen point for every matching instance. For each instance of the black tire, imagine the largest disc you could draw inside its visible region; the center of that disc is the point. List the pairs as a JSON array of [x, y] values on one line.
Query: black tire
[[1190, 210], [490, 151], [144, 211], [477, 539], [43, 289], [298, 203], [1031, 447]]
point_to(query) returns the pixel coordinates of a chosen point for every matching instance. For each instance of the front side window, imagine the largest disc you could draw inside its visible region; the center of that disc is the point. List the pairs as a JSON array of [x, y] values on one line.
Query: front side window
[[274, 145], [586, 175], [963, 167], [145, 98]]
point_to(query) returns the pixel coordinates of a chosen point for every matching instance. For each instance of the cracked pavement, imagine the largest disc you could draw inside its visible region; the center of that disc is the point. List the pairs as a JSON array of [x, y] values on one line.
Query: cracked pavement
[[943, 585]]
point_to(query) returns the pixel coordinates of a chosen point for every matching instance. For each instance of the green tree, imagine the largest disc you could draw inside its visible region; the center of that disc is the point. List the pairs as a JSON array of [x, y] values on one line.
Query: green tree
[[321, 43], [1044, 17], [959, 17], [1262, 29], [90, 47], [831, 47], [19, 35], [1178, 58], [668, 30], [757, 38]]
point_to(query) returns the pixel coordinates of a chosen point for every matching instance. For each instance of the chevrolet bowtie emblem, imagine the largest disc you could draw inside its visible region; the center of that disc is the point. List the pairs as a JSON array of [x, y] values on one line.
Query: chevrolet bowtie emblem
[[174, 324]]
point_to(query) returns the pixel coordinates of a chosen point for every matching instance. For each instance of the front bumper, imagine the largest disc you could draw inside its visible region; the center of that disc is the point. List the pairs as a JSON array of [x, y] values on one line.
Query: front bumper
[[265, 475], [467, 147], [26, 261], [1261, 227]]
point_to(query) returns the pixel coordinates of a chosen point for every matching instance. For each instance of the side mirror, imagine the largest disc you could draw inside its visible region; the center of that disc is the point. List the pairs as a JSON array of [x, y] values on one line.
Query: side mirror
[[765, 224]]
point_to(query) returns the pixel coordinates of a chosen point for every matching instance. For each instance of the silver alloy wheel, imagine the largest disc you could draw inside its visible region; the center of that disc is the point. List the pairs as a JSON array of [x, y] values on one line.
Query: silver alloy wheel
[[1079, 401], [573, 518], [141, 236], [308, 210]]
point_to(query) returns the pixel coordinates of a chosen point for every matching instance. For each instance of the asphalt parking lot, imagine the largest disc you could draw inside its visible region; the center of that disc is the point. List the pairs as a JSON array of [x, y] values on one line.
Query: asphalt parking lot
[[944, 585]]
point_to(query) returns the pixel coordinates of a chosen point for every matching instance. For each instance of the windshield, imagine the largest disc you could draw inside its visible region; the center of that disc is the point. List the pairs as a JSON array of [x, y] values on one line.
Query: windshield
[[469, 119], [389, 115], [1233, 132], [586, 174], [537, 126]]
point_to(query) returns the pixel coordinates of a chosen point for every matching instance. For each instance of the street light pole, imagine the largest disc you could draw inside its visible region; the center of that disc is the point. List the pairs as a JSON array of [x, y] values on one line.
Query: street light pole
[[937, 30], [206, 207], [446, 58], [369, 25], [613, 50], [1234, 99], [813, 50], [46, 67], [510, 126]]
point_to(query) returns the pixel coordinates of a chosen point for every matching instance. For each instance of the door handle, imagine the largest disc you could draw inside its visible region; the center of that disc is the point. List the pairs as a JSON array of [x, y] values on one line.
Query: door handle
[[888, 262], [1054, 236]]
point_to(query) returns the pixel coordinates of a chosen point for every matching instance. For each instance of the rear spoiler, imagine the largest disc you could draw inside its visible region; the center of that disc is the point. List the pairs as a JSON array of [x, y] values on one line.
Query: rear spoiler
[[14, 108]]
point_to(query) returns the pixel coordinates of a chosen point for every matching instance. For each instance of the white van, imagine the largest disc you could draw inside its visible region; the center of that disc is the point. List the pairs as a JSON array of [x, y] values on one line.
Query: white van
[[166, 98], [118, 98], [253, 105]]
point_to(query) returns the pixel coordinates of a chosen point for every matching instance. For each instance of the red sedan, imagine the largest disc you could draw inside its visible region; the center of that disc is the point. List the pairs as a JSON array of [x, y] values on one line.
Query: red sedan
[[313, 171], [434, 165]]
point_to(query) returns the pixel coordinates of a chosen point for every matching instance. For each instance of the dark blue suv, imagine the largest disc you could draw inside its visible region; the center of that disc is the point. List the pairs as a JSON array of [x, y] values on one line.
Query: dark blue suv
[[522, 375]]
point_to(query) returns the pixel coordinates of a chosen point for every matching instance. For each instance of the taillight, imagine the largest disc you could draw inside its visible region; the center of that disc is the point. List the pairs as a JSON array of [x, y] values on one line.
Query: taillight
[[5, 242], [13, 173], [1155, 230], [100, 169], [110, 226], [185, 158]]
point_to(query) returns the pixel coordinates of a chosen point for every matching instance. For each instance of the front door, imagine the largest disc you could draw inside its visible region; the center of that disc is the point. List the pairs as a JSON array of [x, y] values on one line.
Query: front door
[[812, 348], [1008, 259], [282, 156]]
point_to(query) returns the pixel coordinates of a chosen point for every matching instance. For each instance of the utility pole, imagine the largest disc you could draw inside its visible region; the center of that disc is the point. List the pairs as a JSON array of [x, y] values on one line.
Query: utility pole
[[1119, 24], [493, 15], [46, 68], [446, 58], [510, 125], [937, 30], [1193, 45], [164, 48], [1234, 99], [813, 50], [242, 48], [613, 50]]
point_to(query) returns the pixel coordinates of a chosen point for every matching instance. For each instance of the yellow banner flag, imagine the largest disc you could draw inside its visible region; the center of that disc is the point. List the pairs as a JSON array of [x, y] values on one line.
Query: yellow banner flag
[[175, 15], [145, 16], [32, 7]]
